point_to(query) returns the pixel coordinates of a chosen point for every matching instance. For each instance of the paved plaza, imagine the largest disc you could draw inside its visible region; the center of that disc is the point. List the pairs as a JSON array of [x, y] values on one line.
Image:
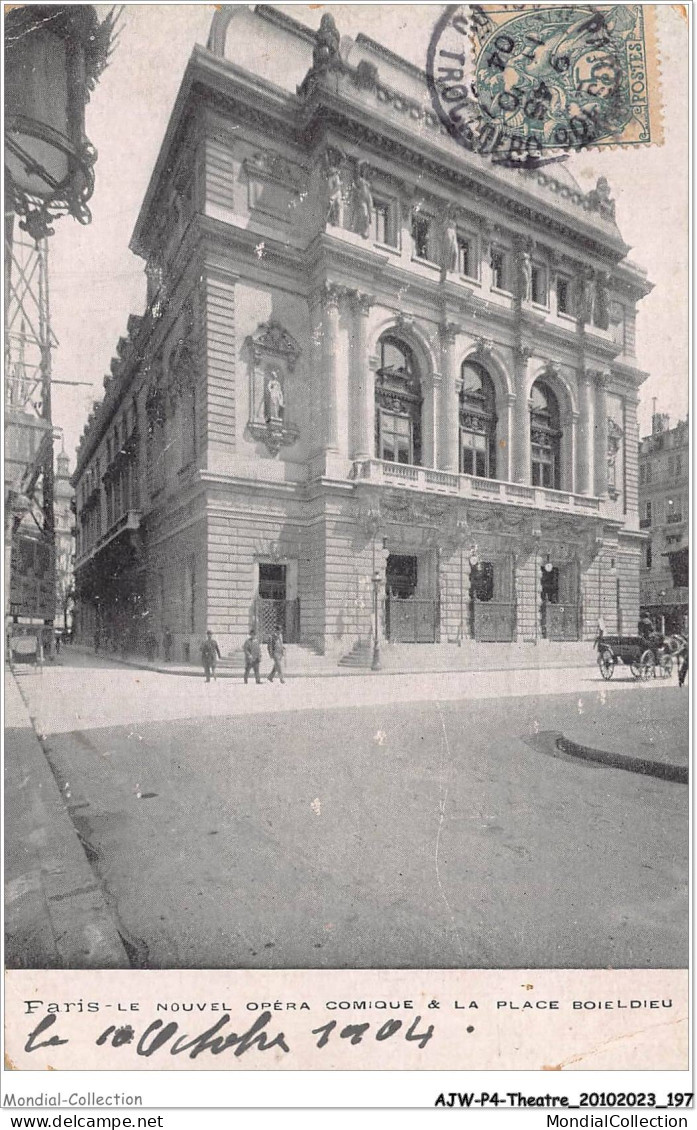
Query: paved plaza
[[397, 821]]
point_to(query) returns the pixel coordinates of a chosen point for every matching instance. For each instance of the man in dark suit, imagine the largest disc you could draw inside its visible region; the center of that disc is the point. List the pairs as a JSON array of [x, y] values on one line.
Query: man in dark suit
[[276, 651], [252, 656], [210, 653]]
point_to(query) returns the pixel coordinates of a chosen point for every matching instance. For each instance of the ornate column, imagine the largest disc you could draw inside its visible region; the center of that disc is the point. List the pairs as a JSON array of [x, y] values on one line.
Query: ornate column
[[601, 433], [573, 454], [521, 419], [585, 480], [330, 376], [362, 379], [504, 439], [449, 401]]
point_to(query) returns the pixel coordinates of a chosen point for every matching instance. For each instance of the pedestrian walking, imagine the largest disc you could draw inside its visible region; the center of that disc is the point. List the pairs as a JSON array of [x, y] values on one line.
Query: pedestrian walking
[[210, 653], [684, 664], [167, 641], [276, 651], [252, 656]]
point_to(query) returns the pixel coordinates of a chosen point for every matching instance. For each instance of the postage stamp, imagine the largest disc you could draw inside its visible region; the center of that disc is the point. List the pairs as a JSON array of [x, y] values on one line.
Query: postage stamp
[[519, 81]]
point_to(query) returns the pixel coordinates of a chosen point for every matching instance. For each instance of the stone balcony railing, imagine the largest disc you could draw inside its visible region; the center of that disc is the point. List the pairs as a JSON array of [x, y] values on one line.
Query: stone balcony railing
[[468, 486]]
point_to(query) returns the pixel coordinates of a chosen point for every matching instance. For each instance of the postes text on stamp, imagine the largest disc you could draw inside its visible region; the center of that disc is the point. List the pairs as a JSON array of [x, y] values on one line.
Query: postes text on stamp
[[521, 81]]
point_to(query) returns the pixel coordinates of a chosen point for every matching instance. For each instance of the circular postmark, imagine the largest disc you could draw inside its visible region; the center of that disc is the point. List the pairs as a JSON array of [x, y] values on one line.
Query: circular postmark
[[520, 84]]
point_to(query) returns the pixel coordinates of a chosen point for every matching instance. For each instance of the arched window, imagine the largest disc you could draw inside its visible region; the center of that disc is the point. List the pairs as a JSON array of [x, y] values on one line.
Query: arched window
[[398, 403], [545, 437], [477, 422]]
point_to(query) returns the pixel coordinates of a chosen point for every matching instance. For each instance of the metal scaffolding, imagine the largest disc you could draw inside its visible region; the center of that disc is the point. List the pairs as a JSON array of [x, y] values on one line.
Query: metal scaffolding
[[29, 473]]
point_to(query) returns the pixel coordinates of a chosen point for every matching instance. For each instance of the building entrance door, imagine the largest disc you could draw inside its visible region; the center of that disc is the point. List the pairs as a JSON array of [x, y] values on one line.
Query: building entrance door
[[274, 610], [408, 618], [492, 587], [560, 606]]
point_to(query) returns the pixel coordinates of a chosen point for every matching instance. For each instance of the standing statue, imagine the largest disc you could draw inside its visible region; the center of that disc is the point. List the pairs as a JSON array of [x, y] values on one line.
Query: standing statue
[[325, 53], [600, 198], [602, 300], [274, 397], [364, 202], [335, 201], [450, 247], [524, 275]]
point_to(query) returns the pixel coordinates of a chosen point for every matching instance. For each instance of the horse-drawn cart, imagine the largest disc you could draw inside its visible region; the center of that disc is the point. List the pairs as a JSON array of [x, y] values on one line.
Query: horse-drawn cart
[[646, 657]]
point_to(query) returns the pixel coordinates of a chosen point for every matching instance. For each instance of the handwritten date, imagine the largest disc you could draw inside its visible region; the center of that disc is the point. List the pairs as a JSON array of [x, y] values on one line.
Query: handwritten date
[[159, 1036]]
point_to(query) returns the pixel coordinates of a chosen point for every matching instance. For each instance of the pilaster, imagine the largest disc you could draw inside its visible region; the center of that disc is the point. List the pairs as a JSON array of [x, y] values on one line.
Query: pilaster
[[585, 461], [601, 433], [449, 404], [362, 379]]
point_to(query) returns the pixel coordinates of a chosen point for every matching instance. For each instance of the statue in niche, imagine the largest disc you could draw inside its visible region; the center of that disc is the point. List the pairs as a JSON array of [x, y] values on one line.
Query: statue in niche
[[450, 248], [335, 203], [274, 397], [524, 275], [364, 202], [325, 53]]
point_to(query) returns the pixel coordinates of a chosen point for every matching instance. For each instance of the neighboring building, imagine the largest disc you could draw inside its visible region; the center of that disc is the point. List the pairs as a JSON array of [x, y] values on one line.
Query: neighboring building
[[664, 510], [64, 527], [365, 352]]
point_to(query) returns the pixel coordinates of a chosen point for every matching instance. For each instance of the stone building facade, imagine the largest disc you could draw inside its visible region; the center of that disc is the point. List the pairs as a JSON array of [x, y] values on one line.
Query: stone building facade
[[64, 535], [369, 360], [664, 509]]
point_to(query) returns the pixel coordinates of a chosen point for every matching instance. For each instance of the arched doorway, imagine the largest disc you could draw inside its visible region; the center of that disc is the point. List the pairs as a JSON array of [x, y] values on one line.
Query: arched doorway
[[398, 403]]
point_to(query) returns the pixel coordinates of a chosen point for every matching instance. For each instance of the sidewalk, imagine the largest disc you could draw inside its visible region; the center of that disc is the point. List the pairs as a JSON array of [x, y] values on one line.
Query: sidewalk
[[309, 666], [56, 915]]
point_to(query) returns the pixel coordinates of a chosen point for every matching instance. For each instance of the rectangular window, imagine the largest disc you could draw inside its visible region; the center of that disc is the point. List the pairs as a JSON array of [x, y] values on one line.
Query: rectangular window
[[539, 285], [382, 225], [678, 466], [542, 467], [474, 458], [647, 512], [421, 235], [395, 438], [648, 555], [465, 257], [499, 269], [564, 296], [648, 472]]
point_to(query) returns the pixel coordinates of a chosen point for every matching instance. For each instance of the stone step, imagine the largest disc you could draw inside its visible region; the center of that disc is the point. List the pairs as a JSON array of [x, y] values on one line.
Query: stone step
[[299, 657], [472, 656]]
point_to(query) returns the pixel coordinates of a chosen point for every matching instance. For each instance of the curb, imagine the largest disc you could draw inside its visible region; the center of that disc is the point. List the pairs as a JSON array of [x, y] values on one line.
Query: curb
[[343, 673], [82, 930], [664, 771]]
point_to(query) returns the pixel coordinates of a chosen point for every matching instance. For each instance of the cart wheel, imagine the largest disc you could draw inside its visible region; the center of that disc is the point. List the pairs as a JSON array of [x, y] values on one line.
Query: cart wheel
[[606, 663], [647, 664], [665, 666]]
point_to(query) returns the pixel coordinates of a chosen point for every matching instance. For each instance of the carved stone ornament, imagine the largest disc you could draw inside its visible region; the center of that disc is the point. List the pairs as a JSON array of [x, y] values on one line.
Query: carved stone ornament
[[274, 353], [363, 200], [336, 200], [485, 346], [369, 518]]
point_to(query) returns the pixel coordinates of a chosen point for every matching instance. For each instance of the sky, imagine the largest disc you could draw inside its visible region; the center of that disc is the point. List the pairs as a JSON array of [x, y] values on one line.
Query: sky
[[96, 282]]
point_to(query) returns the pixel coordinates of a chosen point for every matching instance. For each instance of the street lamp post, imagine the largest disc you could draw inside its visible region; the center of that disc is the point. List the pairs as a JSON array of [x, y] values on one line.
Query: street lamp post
[[54, 55], [376, 665]]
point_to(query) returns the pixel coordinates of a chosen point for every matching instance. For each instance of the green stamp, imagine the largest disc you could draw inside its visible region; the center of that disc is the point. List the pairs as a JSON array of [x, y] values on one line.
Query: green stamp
[[564, 77], [522, 80]]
